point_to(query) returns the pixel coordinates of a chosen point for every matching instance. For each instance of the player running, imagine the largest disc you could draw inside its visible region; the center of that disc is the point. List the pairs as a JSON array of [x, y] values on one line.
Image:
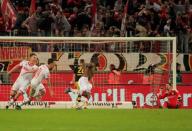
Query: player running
[[85, 86], [78, 72], [21, 84], [37, 88]]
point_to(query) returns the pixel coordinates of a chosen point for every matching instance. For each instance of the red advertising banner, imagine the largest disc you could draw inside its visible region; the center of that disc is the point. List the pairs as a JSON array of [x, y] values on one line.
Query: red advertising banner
[[14, 53], [112, 93]]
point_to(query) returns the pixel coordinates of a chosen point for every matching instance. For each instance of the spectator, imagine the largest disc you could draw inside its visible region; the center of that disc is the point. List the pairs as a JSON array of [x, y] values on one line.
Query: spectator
[[131, 24], [83, 18], [21, 17], [56, 6], [167, 31], [31, 23], [85, 31], [76, 32], [114, 75], [118, 5], [2, 26], [144, 18], [60, 25], [97, 30], [110, 31], [141, 30], [183, 31], [47, 19], [148, 77], [190, 42], [73, 17]]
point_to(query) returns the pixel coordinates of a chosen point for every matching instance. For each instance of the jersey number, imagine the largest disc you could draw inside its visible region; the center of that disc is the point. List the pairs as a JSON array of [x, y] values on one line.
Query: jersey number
[[80, 70]]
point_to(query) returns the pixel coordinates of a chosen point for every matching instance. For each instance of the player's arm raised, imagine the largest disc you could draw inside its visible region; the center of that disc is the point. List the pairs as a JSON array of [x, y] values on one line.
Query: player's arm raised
[[14, 68], [92, 81], [73, 79]]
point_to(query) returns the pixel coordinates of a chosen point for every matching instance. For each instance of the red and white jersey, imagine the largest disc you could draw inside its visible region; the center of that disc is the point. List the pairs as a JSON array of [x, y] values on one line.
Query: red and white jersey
[[27, 70], [42, 73]]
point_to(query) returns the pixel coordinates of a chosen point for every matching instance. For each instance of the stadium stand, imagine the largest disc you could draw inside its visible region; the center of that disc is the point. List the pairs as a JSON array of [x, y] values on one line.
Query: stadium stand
[[76, 18]]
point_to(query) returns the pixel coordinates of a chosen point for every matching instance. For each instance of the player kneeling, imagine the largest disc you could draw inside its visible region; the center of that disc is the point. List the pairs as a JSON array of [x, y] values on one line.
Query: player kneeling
[[85, 87], [37, 89]]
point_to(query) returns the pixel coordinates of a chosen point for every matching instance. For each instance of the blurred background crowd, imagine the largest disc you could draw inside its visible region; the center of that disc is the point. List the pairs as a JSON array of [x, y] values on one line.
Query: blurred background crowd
[[103, 18]]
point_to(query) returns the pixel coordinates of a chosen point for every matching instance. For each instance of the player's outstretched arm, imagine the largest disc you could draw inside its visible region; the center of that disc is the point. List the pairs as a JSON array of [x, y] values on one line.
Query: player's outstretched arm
[[14, 68], [92, 81], [50, 87], [73, 79]]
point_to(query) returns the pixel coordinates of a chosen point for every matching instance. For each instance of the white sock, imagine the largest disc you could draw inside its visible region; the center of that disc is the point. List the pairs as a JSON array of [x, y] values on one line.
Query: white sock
[[23, 103], [73, 96], [11, 102], [25, 97], [90, 99]]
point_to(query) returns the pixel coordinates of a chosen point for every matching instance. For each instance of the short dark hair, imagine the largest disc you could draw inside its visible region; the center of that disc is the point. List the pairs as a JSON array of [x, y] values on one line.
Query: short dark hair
[[32, 54], [50, 61], [82, 61], [112, 67]]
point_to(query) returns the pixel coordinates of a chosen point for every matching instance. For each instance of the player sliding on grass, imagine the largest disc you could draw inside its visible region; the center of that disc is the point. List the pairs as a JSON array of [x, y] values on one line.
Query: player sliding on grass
[[171, 97], [21, 84], [37, 88], [85, 86]]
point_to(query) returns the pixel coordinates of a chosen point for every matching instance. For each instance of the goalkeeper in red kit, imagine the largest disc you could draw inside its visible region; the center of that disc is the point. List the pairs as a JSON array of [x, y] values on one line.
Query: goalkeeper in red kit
[[169, 98]]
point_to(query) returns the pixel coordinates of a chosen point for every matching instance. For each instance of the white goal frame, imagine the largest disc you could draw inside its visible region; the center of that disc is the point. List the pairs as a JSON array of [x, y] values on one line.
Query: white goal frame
[[173, 39]]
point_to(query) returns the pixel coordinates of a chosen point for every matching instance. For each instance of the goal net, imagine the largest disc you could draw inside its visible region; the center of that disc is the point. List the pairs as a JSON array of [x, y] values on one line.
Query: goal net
[[128, 70]]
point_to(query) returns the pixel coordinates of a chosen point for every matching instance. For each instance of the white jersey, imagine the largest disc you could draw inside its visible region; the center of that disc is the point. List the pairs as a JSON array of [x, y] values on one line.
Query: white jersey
[[42, 73], [25, 76], [27, 70], [84, 85]]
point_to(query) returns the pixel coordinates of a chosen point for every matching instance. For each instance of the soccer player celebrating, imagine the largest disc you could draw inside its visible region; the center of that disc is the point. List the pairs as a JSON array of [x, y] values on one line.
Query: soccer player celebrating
[[37, 88], [171, 97], [21, 84], [85, 86]]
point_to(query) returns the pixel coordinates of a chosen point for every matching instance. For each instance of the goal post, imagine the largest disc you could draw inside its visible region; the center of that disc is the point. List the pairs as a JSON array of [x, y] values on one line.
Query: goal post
[[131, 56]]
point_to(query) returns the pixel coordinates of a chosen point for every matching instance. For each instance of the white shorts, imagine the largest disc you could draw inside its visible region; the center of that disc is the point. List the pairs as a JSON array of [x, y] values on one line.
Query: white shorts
[[35, 83], [21, 84], [84, 85], [39, 88]]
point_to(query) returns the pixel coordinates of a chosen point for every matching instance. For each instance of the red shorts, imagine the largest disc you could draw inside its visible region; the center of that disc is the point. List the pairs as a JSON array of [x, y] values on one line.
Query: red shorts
[[171, 105]]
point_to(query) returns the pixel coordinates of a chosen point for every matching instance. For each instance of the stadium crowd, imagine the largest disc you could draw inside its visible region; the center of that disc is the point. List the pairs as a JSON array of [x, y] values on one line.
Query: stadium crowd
[[75, 18]]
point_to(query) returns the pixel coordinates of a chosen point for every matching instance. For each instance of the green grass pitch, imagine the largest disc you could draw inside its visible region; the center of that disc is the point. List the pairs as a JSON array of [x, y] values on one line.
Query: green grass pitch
[[96, 120]]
